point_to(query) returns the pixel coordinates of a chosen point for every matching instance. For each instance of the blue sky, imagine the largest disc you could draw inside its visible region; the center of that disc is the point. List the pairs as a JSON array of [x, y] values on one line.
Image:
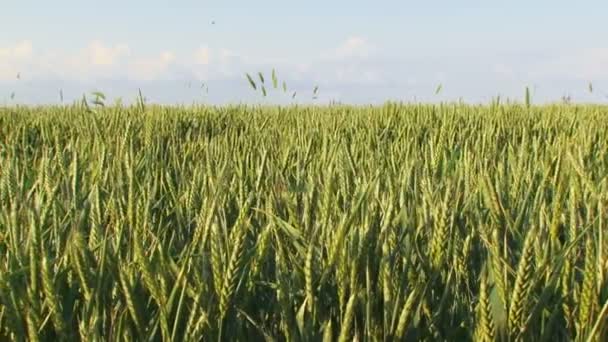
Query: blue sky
[[356, 51]]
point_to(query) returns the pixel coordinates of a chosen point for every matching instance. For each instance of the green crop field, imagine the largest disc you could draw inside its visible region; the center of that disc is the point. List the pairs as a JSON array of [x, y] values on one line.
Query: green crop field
[[304, 223]]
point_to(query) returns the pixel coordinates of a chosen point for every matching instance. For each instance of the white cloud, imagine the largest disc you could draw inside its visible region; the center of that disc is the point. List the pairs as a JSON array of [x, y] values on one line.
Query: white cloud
[[151, 68], [22, 49], [587, 64], [218, 63], [350, 62], [100, 60], [99, 54], [97, 60], [226, 54], [167, 57], [14, 58], [351, 73], [202, 55], [354, 46], [229, 63]]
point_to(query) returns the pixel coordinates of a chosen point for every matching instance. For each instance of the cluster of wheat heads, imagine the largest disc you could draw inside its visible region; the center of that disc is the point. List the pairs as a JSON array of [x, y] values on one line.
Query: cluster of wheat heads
[[399, 222]]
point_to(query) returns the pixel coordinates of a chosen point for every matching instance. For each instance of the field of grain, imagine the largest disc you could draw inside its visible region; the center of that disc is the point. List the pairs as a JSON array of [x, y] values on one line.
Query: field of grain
[[398, 222]]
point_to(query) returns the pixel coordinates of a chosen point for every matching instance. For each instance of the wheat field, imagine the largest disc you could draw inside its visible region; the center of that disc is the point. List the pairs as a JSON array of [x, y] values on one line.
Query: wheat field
[[444, 222]]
